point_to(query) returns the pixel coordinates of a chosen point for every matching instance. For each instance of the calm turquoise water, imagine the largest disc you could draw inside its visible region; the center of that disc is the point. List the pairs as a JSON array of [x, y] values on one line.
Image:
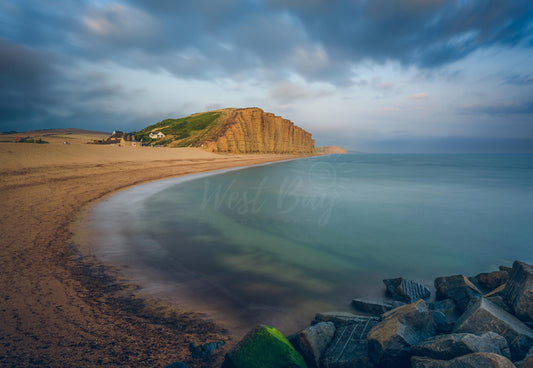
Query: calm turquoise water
[[278, 243]]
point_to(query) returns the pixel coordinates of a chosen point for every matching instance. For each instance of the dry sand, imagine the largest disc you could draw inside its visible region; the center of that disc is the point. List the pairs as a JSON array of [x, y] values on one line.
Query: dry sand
[[57, 309]]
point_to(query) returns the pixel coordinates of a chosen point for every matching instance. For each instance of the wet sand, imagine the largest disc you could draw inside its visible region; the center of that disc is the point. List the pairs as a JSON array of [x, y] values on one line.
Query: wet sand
[[57, 306]]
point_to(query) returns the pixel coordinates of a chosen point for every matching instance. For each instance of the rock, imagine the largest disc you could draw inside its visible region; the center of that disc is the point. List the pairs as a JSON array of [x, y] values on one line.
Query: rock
[[349, 347], [459, 289], [498, 291], [422, 362], [202, 351], [499, 301], [177, 365], [490, 281], [406, 290], [446, 306], [497, 297], [263, 347], [527, 362], [505, 268], [374, 307], [444, 314], [518, 292], [447, 347], [480, 360], [475, 360], [351, 353], [341, 319], [389, 342], [312, 342], [441, 323], [484, 316]]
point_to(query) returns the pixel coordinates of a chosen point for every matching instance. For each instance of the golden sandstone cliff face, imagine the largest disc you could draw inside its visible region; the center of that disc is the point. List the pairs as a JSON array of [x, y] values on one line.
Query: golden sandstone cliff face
[[252, 130]]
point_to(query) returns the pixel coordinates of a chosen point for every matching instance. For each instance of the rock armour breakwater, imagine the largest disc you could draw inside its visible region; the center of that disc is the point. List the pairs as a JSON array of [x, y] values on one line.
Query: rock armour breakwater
[[415, 335]]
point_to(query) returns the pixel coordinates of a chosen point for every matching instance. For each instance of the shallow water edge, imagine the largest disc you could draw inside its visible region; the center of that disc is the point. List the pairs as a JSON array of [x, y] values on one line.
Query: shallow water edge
[[87, 240]]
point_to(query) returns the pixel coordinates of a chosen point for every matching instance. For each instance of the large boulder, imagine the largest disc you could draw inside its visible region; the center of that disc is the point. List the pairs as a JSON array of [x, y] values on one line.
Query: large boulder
[[263, 347], [475, 360], [312, 341], [484, 316], [390, 341], [441, 323], [451, 346], [446, 306], [518, 292], [527, 362], [444, 314], [341, 319], [203, 351], [353, 354], [458, 288], [349, 347], [407, 291], [497, 297], [492, 280], [374, 307], [349, 352]]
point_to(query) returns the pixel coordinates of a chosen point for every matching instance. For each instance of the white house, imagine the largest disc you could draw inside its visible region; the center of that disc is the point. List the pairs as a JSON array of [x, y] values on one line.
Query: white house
[[156, 135]]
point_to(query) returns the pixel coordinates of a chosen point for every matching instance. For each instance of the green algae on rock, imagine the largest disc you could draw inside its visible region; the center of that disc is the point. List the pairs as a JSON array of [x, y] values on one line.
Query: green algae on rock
[[264, 347]]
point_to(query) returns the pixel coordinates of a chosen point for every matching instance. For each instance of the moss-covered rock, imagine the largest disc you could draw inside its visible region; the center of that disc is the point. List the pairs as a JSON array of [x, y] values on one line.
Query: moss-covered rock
[[264, 347]]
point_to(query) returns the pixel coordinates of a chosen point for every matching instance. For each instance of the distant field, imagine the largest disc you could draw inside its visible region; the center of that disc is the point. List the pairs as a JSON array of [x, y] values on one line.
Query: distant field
[[70, 135]]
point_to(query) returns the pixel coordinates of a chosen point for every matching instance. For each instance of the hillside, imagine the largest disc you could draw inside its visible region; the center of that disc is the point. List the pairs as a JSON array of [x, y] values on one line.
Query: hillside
[[248, 130], [327, 150], [70, 135]]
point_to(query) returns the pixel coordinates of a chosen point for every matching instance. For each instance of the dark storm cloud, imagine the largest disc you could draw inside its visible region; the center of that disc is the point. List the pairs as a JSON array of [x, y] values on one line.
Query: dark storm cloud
[[318, 39], [268, 34], [322, 40], [34, 94], [426, 33], [201, 39], [25, 76], [35, 24]]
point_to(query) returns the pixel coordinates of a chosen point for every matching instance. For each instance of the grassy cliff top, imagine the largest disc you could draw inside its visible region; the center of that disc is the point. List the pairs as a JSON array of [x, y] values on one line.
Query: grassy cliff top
[[181, 132]]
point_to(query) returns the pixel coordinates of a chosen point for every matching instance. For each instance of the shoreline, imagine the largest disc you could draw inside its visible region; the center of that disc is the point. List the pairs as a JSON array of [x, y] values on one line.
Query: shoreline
[[54, 312], [88, 235]]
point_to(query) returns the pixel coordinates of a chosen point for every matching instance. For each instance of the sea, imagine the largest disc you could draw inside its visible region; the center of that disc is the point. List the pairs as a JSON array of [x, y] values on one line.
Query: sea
[[277, 243]]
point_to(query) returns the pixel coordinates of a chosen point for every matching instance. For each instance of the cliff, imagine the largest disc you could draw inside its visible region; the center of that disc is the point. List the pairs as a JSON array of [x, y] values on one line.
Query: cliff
[[327, 150], [248, 130], [254, 131]]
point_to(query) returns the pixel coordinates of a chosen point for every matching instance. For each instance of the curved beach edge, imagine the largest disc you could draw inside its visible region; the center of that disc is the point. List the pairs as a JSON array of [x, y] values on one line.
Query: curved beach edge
[[60, 306]]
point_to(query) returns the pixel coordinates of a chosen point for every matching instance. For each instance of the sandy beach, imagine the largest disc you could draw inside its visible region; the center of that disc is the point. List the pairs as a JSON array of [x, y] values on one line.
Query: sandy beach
[[55, 306]]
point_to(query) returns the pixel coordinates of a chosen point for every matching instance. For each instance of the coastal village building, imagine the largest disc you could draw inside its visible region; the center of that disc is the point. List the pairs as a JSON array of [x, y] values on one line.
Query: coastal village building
[[120, 138], [156, 135]]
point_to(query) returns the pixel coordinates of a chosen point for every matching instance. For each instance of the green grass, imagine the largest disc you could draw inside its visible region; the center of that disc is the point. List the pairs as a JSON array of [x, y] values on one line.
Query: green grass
[[179, 129]]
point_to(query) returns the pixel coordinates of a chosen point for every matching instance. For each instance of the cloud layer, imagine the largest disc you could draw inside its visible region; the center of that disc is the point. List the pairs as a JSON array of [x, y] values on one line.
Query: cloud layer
[[96, 61]]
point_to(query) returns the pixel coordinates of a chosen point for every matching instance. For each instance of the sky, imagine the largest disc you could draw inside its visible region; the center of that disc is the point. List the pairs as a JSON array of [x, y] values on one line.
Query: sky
[[369, 75]]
